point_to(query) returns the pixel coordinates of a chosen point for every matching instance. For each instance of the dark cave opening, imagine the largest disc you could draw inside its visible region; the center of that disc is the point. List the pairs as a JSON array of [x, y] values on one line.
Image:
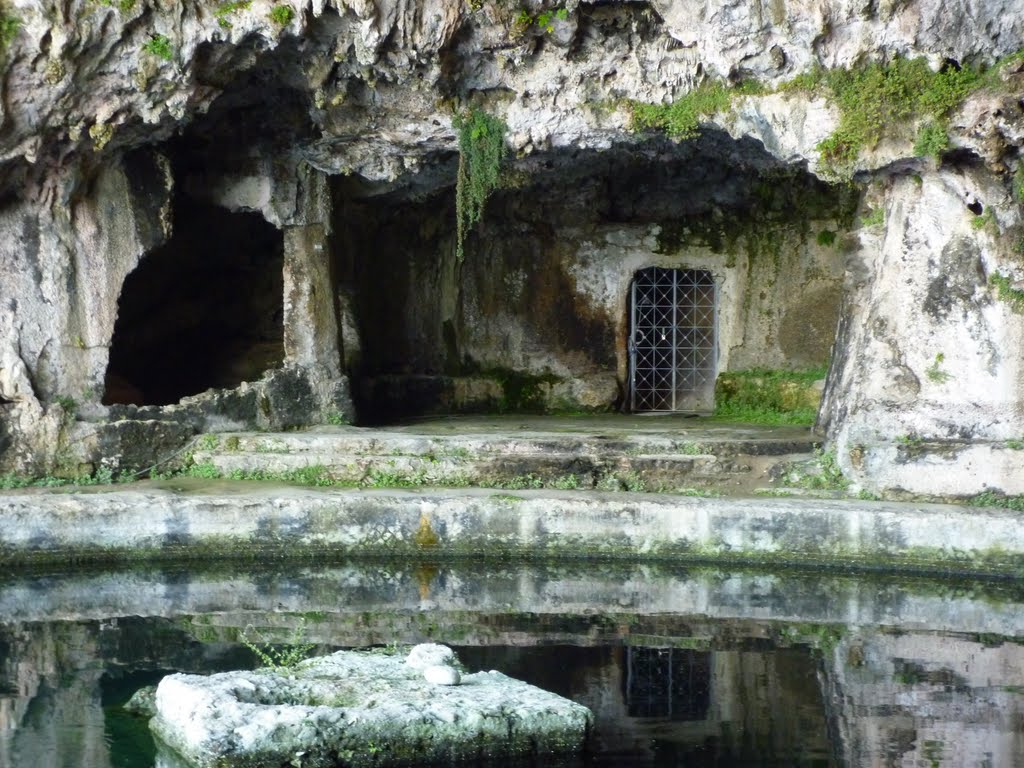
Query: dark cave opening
[[202, 311]]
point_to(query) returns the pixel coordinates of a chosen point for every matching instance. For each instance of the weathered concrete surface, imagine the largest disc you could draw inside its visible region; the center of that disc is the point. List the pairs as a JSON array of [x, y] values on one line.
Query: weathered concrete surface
[[255, 520], [361, 709]]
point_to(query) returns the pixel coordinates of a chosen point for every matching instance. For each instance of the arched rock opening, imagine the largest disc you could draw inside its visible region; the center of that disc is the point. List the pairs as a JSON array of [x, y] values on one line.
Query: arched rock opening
[[203, 310], [536, 316]]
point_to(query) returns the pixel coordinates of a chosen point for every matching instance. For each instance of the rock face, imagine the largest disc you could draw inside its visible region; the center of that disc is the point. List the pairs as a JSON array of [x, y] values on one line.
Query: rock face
[[307, 149], [362, 709]]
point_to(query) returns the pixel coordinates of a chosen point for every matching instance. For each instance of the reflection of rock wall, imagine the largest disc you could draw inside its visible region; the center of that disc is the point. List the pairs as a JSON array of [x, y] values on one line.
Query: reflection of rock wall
[[50, 711], [922, 699], [53, 677], [417, 594]]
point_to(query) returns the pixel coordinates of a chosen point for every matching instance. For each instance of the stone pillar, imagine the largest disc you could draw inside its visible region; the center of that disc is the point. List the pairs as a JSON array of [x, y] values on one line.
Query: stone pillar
[[926, 394], [310, 320], [312, 343]]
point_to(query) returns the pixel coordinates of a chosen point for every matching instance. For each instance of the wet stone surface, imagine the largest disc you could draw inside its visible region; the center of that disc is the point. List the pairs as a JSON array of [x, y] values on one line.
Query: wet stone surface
[[371, 708]]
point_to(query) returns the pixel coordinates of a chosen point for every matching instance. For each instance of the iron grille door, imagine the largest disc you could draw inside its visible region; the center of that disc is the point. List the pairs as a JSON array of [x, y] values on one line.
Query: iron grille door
[[673, 340]]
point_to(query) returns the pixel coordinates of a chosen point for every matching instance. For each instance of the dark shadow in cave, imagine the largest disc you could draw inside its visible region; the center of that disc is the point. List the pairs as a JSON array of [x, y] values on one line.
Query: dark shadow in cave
[[203, 310]]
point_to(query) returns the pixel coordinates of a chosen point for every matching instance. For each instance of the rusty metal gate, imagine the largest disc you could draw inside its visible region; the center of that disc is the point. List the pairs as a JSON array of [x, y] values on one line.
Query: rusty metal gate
[[673, 344]]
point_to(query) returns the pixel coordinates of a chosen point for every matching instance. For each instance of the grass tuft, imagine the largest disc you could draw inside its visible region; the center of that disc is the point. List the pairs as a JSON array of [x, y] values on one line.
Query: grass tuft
[[760, 396]]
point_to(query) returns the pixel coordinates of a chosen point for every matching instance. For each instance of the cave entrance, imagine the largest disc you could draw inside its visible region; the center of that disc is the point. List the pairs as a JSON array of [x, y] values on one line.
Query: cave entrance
[[673, 344], [204, 310]]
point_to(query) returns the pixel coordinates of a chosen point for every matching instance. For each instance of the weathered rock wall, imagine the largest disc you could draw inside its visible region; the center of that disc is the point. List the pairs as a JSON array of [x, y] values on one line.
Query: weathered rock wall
[[928, 388], [64, 252]]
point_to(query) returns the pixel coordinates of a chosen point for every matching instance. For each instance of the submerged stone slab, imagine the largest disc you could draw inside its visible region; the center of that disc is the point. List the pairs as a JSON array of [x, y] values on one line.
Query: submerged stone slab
[[361, 708]]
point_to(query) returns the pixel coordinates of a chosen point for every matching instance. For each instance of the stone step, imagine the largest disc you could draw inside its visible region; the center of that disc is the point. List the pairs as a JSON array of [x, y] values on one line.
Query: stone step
[[361, 441], [381, 458]]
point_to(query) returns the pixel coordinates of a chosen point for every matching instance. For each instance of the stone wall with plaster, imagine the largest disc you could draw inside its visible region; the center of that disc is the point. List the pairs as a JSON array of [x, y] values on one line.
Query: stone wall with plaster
[[542, 298]]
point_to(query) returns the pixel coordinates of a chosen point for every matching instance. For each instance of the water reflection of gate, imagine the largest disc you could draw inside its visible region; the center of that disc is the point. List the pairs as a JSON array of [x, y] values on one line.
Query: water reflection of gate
[[673, 344], [668, 682]]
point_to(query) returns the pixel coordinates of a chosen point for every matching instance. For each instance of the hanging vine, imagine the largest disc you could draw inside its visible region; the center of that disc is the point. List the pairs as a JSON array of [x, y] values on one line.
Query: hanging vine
[[481, 150]]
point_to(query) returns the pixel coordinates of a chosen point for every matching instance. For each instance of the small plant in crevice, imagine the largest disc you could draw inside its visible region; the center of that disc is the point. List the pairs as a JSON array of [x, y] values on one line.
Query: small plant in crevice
[[282, 15], [932, 141], [9, 26], [225, 10], [934, 372], [159, 46], [69, 404], [1007, 292], [520, 483], [565, 483], [910, 440], [874, 217], [829, 476], [1018, 183], [998, 500], [204, 470], [125, 6], [279, 657], [208, 442], [545, 20], [336, 419], [826, 238], [985, 219], [481, 152]]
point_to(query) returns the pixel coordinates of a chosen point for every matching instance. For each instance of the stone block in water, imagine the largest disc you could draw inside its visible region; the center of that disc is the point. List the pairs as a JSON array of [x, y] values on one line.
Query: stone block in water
[[362, 708]]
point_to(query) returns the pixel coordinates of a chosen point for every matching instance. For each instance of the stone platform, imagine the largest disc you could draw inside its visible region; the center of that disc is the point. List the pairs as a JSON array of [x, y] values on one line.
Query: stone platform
[[363, 708], [605, 452]]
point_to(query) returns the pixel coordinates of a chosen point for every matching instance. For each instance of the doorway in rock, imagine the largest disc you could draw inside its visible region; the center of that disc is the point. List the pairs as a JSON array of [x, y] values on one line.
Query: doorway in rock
[[673, 344], [204, 310]]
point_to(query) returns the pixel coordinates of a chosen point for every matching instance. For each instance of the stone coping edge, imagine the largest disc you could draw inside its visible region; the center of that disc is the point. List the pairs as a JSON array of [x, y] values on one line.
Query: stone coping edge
[[260, 521]]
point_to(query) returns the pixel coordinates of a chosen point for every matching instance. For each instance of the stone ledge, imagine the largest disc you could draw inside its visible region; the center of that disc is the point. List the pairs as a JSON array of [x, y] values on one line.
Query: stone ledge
[[253, 520]]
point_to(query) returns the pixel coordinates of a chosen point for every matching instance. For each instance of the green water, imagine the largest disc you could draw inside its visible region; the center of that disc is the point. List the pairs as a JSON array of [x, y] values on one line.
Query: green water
[[681, 668]]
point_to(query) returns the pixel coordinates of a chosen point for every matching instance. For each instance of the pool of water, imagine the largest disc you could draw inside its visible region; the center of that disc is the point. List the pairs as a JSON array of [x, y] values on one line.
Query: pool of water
[[680, 667]]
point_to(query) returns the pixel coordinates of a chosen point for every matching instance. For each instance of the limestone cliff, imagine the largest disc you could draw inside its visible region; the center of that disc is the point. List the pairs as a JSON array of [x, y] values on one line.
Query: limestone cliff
[[332, 123]]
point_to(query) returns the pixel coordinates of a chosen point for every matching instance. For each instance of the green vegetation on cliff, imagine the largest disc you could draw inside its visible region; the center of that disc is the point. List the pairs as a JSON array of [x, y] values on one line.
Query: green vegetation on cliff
[[481, 151], [125, 6], [871, 98], [681, 118], [9, 26], [875, 96], [1006, 291], [282, 15], [159, 46]]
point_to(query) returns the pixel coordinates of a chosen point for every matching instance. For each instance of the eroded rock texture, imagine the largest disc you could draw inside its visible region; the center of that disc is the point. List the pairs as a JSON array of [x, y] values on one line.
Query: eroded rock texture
[[320, 147]]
